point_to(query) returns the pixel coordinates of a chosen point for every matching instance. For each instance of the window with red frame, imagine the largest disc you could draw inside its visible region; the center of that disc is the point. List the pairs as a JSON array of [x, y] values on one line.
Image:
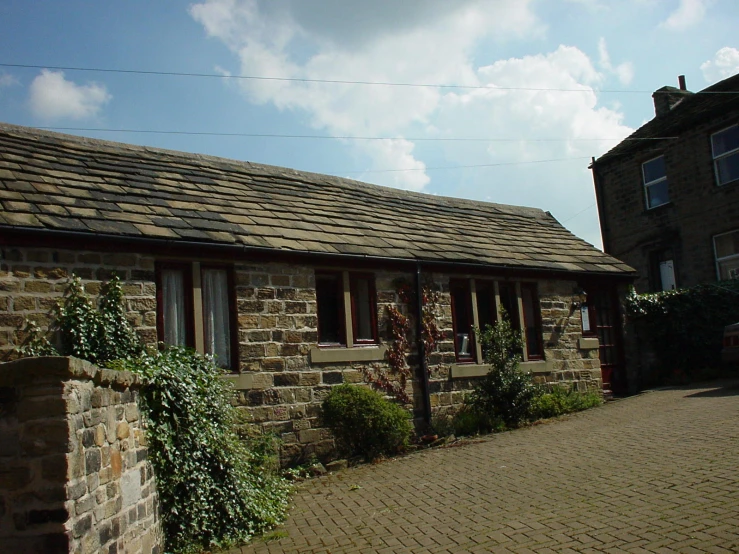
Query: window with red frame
[[332, 323]]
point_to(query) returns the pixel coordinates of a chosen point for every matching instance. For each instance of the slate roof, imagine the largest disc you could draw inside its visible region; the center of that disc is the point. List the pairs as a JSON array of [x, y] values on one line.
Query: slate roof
[[693, 109], [68, 183]]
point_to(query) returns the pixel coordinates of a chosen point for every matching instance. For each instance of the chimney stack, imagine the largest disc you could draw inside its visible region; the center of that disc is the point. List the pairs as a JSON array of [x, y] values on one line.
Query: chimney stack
[[666, 98]]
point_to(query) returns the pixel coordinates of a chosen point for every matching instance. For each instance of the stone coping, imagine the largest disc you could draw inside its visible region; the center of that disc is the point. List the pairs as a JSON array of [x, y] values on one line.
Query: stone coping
[[27, 370]]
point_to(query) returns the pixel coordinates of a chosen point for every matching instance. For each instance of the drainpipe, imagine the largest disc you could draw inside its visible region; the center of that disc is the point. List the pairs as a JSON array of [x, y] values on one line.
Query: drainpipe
[[421, 348]]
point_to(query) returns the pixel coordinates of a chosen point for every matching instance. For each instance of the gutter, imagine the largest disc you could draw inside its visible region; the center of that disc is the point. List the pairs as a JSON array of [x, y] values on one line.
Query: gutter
[[423, 367], [77, 240]]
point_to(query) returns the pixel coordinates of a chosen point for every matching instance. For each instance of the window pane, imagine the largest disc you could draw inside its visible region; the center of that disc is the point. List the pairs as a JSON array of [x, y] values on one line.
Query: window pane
[[725, 141], [727, 245], [654, 169], [531, 320], [173, 308], [727, 168], [486, 304], [216, 315], [328, 296], [363, 309], [585, 317], [461, 298], [729, 269], [509, 303], [657, 194]]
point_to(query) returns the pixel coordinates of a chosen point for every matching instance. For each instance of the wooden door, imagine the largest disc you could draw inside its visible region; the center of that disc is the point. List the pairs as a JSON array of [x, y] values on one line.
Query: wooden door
[[609, 330]]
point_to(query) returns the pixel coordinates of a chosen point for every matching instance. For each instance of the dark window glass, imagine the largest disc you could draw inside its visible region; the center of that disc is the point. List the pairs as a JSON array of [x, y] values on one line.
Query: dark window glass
[[462, 319], [509, 303], [532, 321], [486, 304], [655, 182], [329, 296], [364, 317]]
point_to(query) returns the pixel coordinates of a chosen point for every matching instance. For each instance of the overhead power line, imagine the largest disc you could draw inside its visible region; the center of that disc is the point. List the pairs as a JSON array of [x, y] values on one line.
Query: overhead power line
[[526, 162], [346, 137], [332, 81]]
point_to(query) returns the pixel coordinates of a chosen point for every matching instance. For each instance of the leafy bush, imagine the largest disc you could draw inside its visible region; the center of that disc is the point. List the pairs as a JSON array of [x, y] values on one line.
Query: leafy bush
[[505, 394], [99, 335], [684, 327], [560, 401], [364, 423], [214, 490]]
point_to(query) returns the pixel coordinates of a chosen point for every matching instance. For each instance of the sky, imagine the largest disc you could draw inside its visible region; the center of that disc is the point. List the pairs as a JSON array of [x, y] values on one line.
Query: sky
[[494, 100]]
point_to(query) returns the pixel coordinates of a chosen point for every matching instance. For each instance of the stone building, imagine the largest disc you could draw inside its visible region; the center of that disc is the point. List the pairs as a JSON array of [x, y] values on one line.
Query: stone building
[[288, 278], [668, 195]]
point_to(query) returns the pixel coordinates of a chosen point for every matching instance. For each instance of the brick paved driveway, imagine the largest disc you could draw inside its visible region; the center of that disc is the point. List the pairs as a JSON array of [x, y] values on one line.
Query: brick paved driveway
[[654, 473]]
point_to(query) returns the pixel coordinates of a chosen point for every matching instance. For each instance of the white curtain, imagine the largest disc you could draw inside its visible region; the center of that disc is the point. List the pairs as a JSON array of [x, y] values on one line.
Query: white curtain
[[173, 296], [216, 315]]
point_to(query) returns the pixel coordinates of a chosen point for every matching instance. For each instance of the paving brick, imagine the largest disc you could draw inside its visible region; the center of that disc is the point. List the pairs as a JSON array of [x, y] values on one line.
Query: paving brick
[[651, 473]]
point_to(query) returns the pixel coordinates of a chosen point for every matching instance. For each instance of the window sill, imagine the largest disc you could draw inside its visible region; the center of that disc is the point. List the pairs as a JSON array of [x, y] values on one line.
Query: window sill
[[537, 366], [343, 354], [657, 208], [588, 343], [465, 371]]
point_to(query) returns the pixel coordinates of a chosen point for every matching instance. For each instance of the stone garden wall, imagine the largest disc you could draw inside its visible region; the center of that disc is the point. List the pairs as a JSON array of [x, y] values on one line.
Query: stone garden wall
[[74, 475]]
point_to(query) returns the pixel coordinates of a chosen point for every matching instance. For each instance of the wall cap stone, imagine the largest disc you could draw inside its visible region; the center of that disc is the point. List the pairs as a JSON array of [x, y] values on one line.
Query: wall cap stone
[[59, 368]]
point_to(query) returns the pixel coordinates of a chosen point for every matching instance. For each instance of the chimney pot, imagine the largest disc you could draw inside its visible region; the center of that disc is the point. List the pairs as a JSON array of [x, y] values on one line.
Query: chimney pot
[[681, 82]]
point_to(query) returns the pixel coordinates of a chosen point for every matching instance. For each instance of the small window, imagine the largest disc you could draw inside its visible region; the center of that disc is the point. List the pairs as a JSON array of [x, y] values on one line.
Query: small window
[[509, 303], [462, 319], [334, 328], [217, 314], [532, 321], [486, 310], [330, 300], [174, 299], [176, 309], [726, 247], [655, 182], [364, 309], [725, 147]]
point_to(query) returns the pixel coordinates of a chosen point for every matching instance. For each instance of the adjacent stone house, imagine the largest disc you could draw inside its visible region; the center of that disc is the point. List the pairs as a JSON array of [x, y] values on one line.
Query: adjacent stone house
[[287, 277], [668, 195]]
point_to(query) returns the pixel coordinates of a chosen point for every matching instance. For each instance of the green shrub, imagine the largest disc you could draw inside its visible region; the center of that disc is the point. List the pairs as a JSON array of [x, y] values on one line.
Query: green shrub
[[100, 335], [214, 490], [505, 394], [364, 423], [560, 401], [684, 327]]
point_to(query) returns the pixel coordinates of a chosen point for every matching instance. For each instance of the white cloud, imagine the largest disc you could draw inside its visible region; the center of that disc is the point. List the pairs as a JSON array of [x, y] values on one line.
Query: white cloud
[[54, 97], [624, 71], [433, 41], [687, 14], [7, 80], [724, 64]]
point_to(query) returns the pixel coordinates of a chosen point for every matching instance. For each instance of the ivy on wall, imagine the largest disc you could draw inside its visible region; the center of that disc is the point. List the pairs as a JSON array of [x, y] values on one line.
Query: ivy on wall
[[399, 326], [684, 327]]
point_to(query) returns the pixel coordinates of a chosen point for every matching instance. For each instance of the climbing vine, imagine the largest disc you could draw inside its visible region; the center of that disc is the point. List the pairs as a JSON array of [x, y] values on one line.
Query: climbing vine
[[399, 327]]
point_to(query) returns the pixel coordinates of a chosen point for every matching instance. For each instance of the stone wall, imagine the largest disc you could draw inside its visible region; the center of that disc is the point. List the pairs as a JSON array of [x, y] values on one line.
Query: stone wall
[[284, 376], [33, 279], [698, 209], [74, 475]]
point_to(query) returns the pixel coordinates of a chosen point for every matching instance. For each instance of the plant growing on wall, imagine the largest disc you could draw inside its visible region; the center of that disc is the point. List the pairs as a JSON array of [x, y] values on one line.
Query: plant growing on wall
[[214, 488], [99, 335], [395, 380], [684, 327]]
